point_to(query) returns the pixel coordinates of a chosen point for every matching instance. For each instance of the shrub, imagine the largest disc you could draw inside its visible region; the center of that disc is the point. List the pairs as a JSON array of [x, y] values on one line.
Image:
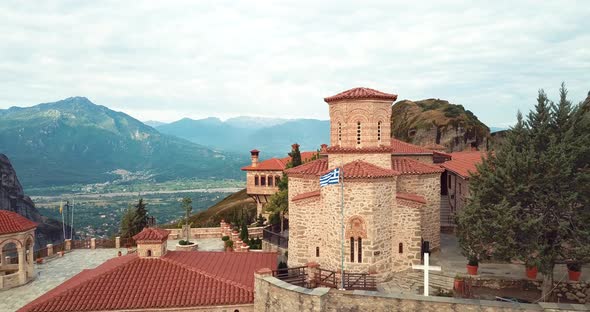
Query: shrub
[[473, 261], [229, 243], [225, 238], [184, 242], [576, 267]]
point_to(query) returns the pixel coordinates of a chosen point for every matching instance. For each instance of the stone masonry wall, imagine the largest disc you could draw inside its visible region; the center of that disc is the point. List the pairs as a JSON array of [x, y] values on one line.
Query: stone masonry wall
[[382, 160], [428, 186], [368, 113], [272, 294], [427, 159], [307, 219], [407, 231]]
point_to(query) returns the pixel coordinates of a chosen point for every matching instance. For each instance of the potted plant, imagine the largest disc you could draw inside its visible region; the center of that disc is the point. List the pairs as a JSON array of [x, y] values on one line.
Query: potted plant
[[39, 260], [574, 270], [229, 245], [532, 268], [472, 265], [458, 284]]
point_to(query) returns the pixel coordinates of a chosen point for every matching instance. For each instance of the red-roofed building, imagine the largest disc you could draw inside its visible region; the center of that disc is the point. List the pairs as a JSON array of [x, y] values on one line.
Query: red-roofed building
[[262, 177], [17, 239], [173, 281], [455, 183], [391, 192]]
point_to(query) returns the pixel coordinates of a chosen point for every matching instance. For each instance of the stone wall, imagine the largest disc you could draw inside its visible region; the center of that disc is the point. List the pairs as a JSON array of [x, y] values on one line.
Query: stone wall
[[225, 308], [344, 116], [273, 295], [427, 186], [458, 191], [427, 159], [407, 230], [382, 160]]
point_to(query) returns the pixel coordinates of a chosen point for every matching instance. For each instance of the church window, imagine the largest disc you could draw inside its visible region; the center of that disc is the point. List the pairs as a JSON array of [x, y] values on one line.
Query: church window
[[401, 248], [358, 133], [379, 132], [256, 180], [360, 250], [263, 181], [149, 253], [352, 249], [269, 181], [339, 133], [449, 184], [317, 251]]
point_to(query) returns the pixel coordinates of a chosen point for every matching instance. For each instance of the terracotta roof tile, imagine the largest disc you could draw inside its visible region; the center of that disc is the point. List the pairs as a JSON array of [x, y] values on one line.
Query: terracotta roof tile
[[151, 235], [462, 163], [361, 94], [411, 197], [12, 222], [399, 147], [278, 164], [179, 279], [359, 169], [306, 195], [407, 166], [312, 168]]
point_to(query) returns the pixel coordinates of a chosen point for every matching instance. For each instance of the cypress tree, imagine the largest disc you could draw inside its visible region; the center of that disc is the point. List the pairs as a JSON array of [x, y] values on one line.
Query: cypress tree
[[141, 216]]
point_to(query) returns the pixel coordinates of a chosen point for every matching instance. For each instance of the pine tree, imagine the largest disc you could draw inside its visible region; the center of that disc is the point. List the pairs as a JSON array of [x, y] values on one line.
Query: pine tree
[[140, 220], [295, 155], [126, 228]]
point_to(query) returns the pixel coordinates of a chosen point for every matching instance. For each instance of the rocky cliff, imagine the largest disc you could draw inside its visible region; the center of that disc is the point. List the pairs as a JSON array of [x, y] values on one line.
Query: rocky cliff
[[434, 122], [13, 198]]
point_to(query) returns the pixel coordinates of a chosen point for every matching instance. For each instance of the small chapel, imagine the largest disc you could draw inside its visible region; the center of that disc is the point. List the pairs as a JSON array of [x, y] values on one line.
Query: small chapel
[[390, 194]]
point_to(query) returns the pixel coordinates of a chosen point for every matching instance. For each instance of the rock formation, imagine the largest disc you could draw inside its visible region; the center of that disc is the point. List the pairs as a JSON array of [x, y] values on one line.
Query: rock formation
[[13, 198]]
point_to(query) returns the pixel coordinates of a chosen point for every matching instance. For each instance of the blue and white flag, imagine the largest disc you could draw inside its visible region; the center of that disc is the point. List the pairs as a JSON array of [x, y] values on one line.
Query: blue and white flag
[[332, 177]]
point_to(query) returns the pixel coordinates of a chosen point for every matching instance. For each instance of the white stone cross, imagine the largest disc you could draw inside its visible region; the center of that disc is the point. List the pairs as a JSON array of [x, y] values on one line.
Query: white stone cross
[[426, 267]]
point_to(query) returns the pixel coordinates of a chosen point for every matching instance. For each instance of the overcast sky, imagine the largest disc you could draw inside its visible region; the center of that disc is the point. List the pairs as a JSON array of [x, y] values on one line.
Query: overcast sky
[[166, 60]]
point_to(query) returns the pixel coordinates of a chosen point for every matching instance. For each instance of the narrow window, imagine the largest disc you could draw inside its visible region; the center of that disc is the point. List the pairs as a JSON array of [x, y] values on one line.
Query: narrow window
[[459, 188], [401, 248], [149, 253], [339, 133], [263, 181], [317, 251], [352, 249], [379, 132], [358, 133], [449, 184], [269, 181], [360, 250], [256, 180]]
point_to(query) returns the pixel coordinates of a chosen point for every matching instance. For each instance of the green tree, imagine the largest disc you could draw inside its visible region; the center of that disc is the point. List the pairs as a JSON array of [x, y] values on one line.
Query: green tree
[[140, 219], [530, 199], [127, 228], [244, 232], [295, 155], [187, 206]]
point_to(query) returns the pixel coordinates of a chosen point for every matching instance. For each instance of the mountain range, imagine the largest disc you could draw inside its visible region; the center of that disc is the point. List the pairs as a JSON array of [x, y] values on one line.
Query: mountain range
[[76, 141]]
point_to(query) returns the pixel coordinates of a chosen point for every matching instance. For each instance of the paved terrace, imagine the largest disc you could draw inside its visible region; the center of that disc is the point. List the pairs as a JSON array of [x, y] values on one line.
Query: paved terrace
[[57, 270]]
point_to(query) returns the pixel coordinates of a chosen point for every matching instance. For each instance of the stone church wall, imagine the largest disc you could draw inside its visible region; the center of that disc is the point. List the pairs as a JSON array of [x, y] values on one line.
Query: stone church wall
[[307, 221], [407, 231], [428, 186], [380, 160], [427, 159], [368, 113]]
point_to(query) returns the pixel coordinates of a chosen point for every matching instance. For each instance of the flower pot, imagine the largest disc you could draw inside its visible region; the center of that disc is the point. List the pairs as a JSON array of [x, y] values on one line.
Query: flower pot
[[39, 260], [531, 273], [574, 275], [458, 285], [472, 269]]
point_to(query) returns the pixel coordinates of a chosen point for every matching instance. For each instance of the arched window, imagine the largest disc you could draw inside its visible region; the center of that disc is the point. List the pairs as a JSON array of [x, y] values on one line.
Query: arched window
[[149, 253], [352, 249], [358, 133], [339, 133], [256, 180], [263, 181], [317, 251], [360, 250], [379, 132], [401, 248], [270, 180], [10, 253]]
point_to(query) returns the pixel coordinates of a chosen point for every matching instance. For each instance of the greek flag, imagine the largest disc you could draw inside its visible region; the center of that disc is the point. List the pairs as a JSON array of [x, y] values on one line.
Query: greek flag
[[332, 177]]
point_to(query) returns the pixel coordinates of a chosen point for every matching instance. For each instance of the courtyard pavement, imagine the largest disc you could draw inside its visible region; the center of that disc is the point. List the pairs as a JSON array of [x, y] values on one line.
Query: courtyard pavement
[[57, 270]]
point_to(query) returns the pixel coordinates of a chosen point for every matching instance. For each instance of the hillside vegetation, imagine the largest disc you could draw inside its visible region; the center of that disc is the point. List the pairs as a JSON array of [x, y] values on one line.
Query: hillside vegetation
[[435, 121], [76, 141]]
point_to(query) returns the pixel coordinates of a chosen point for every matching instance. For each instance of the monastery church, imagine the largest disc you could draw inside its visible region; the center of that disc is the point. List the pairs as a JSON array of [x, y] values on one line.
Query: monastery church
[[391, 193]]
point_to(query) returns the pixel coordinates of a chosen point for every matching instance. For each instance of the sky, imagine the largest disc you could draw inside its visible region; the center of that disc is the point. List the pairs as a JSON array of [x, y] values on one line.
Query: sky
[[165, 60]]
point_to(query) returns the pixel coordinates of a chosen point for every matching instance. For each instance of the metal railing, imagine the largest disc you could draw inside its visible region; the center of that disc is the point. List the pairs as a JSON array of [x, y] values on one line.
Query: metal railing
[[294, 276], [275, 239]]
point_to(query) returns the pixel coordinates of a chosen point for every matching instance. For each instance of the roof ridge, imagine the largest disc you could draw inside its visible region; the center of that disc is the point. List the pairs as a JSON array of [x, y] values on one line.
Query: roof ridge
[[207, 274]]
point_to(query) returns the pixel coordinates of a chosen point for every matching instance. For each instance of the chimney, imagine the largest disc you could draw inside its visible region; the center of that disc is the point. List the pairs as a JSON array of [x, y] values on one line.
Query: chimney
[[254, 156], [294, 146], [323, 148]]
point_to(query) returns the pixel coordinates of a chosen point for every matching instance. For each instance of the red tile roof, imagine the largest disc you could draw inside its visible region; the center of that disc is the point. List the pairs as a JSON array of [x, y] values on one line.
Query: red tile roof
[[12, 222], [411, 197], [312, 168], [278, 164], [359, 169], [409, 166], [399, 147], [306, 195], [151, 235], [361, 94], [462, 163], [176, 280]]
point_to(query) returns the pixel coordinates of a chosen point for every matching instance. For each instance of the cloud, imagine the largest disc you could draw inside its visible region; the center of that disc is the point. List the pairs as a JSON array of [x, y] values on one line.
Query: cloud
[[168, 60]]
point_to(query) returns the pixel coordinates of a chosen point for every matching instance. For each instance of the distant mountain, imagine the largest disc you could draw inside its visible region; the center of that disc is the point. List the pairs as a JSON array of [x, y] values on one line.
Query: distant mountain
[[496, 129], [154, 123], [436, 121], [76, 141], [241, 134]]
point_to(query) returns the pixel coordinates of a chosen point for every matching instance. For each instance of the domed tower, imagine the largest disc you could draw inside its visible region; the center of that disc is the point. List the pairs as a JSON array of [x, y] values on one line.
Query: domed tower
[[360, 123]]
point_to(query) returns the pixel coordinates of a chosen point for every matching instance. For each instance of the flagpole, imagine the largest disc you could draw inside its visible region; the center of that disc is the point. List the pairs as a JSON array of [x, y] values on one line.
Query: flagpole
[[63, 223], [342, 224], [72, 223]]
